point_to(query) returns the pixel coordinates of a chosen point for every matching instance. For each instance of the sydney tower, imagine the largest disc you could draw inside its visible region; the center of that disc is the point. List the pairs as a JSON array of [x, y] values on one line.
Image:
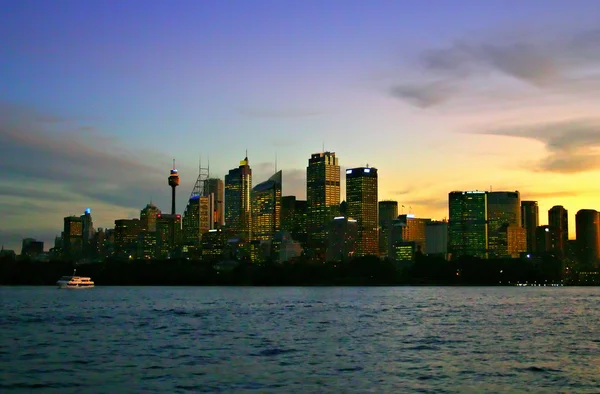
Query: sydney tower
[[173, 182]]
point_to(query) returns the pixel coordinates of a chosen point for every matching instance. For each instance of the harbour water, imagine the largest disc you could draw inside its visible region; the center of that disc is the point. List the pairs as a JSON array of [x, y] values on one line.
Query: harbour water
[[300, 339]]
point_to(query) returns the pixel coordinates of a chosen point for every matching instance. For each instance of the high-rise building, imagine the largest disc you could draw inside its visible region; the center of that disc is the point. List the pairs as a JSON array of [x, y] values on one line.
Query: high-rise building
[[342, 241], [361, 196], [126, 236], [216, 187], [148, 218], [173, 182], [503, 210], [168, 235], [587, 226], [413, 230], [436, 238], [530, 220], [558, 220], [266, 208], [388, 211], [72, 237], [322, 197], [516, 240], [198, 217], [238, 186], [467, 227], [545, 239], [87, 233]]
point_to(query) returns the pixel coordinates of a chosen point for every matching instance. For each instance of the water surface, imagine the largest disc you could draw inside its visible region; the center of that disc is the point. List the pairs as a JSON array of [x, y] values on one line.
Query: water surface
[[299, 339]]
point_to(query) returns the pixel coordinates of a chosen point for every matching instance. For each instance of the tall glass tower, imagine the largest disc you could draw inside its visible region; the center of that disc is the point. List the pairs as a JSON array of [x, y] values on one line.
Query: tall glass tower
[[238, 186], [530, 220], [361, 196], [504, 209], [266, 208], [467, 227], [322, 197]]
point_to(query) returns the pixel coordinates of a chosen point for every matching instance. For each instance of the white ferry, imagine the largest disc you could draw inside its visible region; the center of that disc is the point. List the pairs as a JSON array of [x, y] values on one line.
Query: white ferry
[[74, 282]]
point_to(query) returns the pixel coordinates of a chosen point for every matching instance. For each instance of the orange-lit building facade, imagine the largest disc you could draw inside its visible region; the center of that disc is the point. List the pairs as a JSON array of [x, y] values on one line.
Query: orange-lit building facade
[[361, 197]]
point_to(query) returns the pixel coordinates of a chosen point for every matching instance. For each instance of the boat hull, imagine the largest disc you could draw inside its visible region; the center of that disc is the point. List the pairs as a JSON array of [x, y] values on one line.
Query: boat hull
[[62, 285]]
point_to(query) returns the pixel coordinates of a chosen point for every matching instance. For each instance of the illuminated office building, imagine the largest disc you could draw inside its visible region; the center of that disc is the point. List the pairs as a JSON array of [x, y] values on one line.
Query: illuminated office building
[[413, 229], [199, 215], [238, 187], [216, 187], [266, 208], [72, 237], [126, 236], [503, 210], [168, 235], [467, 225], [322, 197], [361, 196]]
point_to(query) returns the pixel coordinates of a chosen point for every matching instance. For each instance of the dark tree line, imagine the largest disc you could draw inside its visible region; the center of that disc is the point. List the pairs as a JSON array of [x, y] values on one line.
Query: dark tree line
[[363, 271]]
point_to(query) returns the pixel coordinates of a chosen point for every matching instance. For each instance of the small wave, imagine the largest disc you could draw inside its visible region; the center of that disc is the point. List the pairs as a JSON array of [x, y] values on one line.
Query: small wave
[[350, 369], [274, 352], [535, 369]]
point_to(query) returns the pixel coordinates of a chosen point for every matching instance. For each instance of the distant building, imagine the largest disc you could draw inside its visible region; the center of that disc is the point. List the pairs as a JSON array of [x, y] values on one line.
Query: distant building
[[530, 220], [546, 240], [32, 248], [322, 198], [148, 218], [558, 220], [266, 208], [388, 211], [467, 227], [516, 240], [362, 199], [168, 235], [587, 223], [126, 237], [342, 239], [436, 238], [503, 210], [238, 187], [293, 218], [412, 229], [213, 244], [72, 238], [216, 187]]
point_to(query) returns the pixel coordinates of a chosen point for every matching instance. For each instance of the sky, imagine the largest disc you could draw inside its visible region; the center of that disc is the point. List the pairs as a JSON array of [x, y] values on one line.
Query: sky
[[97, 98]]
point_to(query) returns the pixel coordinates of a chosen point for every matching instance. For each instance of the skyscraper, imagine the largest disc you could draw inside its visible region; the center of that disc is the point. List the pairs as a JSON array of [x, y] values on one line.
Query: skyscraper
[[413, 230], [530, 220], [322, 197], [266, 208], [198, 215], [503, 210], [72, 237], [361, 196], [148, 218], [558, 220], [87, 233], [467, 227], [388, 211], [217, 188], [238, 186], [587, 225]]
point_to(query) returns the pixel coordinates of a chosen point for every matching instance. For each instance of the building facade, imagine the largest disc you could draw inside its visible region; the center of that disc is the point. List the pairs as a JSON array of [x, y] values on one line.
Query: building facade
[[503, 210], [467, 225], [266, 208], [530, 220], [322, 198], [362, 199], [238, 187]]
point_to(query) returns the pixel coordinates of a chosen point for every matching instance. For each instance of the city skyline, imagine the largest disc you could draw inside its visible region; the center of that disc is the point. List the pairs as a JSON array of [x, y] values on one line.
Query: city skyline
[[97, 103]]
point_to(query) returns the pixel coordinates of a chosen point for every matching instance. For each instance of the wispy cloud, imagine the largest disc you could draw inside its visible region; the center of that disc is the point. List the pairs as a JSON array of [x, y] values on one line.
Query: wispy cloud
[[572, 146], [567, 64], [86, 164]]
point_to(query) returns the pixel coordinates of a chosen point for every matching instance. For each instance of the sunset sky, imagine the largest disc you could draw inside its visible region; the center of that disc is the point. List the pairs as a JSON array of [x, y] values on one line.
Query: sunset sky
[[98, 97]]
